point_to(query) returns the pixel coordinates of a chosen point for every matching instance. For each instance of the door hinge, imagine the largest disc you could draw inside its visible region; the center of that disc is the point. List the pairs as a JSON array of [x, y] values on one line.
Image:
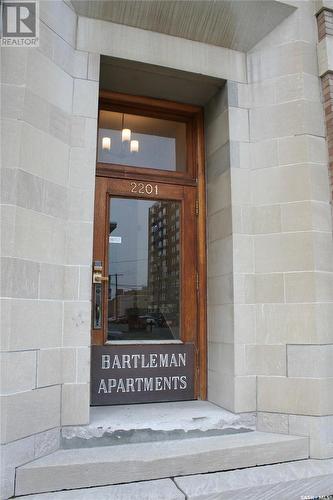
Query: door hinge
[[197, 280], [196, 207]]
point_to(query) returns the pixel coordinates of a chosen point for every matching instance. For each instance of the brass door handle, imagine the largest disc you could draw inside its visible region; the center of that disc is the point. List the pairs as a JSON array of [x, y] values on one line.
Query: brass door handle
[[98, 278]]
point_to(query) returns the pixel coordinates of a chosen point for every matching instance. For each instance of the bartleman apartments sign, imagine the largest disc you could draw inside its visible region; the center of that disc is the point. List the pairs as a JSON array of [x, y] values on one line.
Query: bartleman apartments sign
[[141, 373]]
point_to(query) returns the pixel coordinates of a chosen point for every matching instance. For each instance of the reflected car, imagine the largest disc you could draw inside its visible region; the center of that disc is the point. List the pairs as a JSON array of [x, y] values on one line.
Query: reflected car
[[148, 320], [115, 334]]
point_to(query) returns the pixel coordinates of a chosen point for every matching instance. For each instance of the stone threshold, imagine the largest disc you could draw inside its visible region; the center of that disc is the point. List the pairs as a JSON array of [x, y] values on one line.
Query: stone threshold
[[125, 424], [127, 463]]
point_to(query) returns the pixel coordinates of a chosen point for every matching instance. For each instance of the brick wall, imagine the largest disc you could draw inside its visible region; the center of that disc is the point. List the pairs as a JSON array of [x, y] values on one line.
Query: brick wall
[[325, 29], [325, 23], [327, 86]]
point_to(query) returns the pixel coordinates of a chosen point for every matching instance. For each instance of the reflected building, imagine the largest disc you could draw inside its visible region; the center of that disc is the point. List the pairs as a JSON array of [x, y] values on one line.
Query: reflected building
[[144, 263], [124, 301], [163, 260]]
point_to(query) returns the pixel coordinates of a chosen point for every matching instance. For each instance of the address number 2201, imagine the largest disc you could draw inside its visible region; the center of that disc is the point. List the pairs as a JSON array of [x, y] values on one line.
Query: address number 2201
[[143, 188]]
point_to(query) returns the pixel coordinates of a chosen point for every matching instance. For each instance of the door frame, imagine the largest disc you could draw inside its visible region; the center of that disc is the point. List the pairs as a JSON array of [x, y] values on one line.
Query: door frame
[[194, 176]]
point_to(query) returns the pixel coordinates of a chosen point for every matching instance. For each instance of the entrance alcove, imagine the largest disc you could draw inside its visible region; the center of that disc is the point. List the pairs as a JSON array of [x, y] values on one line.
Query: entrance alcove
[[211, 94]]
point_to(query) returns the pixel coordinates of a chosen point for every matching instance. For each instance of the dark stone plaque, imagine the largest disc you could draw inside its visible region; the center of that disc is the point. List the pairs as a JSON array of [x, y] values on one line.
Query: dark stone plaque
[[122, 374]]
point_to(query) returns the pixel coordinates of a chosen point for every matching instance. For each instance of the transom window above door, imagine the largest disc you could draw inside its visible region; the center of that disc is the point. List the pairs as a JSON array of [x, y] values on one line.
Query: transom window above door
[[142, 141]]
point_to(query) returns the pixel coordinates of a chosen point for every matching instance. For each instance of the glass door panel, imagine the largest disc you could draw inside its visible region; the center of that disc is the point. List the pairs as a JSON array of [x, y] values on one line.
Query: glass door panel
[[144, 270]]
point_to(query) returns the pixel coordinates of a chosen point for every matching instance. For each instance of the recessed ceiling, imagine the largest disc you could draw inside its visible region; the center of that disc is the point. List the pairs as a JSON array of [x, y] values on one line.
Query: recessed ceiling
[[235, 24], [138, 78]]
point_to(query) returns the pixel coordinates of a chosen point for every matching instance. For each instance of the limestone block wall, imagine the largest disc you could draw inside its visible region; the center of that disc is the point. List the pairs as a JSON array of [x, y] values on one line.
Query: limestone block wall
[[242, 249], [231, 318], [292, 285], [49, 101], [220, 313]]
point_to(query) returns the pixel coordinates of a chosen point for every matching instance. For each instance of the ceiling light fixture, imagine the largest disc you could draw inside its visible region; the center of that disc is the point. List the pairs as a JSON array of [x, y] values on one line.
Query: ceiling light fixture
[[125, 132], [106, 143], [134, 146]]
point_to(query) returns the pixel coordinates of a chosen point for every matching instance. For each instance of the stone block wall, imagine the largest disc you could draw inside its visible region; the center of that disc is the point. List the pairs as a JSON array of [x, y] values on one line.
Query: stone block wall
[[49, 98], [270, 250], [292, 285], [231, 318], [269, 198], [220, 313]]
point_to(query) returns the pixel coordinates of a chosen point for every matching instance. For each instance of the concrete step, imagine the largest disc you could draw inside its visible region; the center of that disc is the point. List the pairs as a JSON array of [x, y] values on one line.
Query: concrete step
[[107, 465], [292, 481], [163, 489]]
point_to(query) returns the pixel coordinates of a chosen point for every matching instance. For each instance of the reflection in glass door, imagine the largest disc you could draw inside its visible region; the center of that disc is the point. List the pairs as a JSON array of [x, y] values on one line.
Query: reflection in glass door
[[144, 270]]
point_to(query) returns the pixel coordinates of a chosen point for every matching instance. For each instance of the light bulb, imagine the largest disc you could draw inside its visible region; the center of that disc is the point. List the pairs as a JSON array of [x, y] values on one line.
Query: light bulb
[[106, 143], [125, 134], [134, 146]]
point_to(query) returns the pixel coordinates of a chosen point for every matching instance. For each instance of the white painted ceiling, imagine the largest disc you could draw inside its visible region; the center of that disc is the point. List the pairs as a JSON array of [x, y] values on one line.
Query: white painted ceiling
[[235, 24]]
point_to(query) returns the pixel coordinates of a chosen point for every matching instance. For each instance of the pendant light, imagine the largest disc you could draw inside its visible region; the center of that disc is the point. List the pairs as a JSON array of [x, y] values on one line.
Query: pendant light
[[106, 143], [134, 146], [125, 132]]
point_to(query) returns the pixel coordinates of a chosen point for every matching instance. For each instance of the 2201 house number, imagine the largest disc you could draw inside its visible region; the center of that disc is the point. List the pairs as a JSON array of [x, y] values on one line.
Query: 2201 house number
[[142, 188]]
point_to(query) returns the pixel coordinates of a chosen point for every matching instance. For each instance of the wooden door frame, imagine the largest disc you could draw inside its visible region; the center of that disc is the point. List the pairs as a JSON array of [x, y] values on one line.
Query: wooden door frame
[[194, 176]]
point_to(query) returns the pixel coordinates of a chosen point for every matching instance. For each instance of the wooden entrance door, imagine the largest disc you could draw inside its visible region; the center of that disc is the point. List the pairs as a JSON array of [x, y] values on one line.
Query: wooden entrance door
[[148, 304]]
